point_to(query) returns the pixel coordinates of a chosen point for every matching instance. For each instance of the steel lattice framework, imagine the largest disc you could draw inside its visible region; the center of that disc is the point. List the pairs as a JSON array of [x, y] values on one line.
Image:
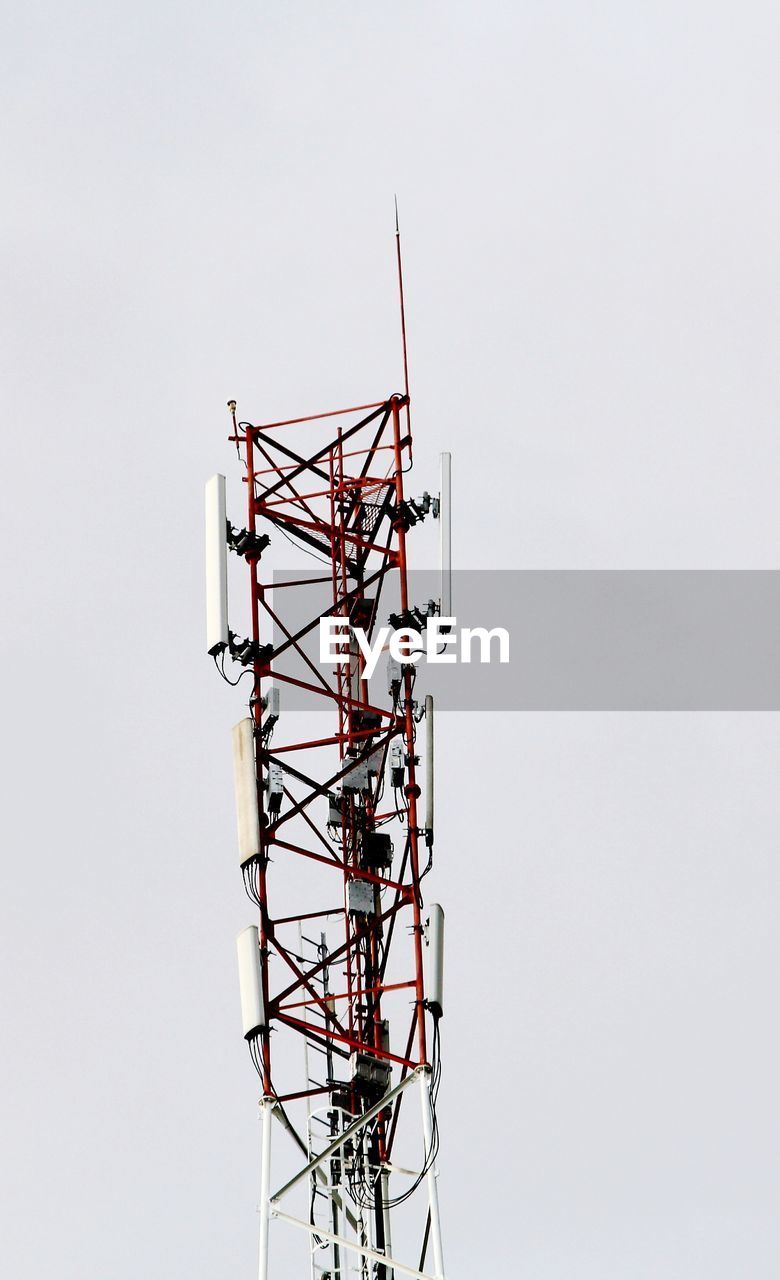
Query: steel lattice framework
[[342, 961]]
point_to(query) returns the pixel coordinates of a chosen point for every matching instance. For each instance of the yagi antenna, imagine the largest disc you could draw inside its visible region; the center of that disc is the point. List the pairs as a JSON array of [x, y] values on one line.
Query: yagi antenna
[[445, 534], [216, 566]]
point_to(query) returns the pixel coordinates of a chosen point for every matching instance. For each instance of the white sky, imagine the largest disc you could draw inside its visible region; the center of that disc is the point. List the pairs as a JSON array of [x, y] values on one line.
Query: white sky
[[198, 206]]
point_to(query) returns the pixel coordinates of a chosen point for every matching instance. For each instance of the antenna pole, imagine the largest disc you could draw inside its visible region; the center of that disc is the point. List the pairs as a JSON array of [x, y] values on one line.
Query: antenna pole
[[403, 315]]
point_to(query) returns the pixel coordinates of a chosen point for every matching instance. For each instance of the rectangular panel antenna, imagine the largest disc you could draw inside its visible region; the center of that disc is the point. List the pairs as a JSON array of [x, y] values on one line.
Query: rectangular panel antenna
[[445, 535], [245, 779], [434, 956], [250, 981], [216, 566]]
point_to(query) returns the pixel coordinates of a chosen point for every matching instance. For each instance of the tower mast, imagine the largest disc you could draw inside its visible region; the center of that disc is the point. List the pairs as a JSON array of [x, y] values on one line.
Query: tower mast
[[332, 852]]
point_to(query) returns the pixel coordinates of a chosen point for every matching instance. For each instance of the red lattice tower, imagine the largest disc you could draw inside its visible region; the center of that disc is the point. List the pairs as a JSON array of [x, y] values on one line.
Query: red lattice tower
[[332, 847]]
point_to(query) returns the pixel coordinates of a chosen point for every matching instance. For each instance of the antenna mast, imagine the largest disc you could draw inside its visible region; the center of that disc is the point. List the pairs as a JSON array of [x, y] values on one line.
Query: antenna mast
[[331, 846], [403, 319]]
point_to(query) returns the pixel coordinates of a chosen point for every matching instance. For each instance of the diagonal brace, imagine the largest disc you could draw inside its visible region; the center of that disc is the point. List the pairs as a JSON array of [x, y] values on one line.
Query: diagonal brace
[[365, 1252], [351, 1129]]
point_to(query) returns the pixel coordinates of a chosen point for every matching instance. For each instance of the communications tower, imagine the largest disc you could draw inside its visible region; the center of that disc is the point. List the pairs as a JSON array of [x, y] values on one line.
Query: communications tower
[[335, 835]]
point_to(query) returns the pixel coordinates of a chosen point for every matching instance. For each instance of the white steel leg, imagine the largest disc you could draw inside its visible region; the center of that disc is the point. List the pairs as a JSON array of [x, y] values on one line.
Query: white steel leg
[[386, 1217], [266, 1115], [433, 1191]]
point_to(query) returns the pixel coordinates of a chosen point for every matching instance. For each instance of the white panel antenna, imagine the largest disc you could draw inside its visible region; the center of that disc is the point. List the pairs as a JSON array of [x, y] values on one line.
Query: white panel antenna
[[250, 981], [434, 957], [245, 779], [216, 566], [429, 769], [445, 534]]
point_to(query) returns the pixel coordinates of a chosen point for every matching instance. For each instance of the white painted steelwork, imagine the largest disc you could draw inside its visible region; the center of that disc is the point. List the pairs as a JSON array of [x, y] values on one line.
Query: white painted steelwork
[[433, 1173], [266, 1111], [270, 1206], [364, 1250]]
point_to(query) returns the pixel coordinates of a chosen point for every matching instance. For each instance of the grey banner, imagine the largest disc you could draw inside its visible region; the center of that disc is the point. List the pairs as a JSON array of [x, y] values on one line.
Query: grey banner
[[582, 640]]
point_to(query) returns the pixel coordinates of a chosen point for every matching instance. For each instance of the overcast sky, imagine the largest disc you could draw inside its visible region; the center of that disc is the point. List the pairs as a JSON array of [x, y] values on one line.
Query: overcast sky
[[198, 206]]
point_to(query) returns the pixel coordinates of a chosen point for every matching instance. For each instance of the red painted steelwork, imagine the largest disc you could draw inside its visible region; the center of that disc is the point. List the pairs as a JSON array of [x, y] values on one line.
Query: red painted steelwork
[[345, 506]]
